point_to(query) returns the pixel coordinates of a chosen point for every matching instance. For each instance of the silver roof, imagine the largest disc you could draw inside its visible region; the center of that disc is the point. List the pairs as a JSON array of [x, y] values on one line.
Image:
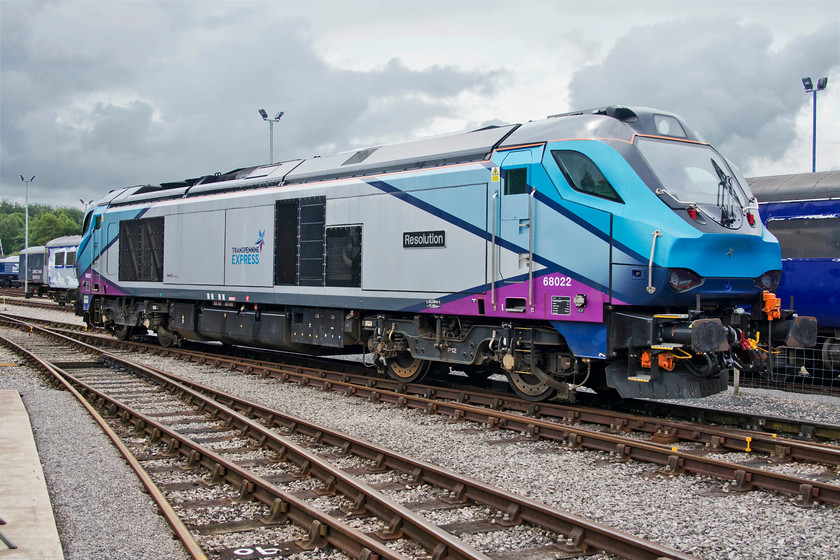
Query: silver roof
[[66, 241], [475, 145], [797, 186], [33, 249]]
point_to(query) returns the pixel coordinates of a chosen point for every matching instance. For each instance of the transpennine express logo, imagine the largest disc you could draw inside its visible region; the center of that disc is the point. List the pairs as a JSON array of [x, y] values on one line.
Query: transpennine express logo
[[249, 254]]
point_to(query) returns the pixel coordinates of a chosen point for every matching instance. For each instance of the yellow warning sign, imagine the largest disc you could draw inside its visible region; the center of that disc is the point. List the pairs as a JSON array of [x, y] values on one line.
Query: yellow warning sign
[[494, 175]]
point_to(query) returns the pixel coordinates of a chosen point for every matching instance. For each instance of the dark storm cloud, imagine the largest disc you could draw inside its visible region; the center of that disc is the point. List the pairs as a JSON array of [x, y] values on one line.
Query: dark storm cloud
[[441, 80], [725, 77], [151, 92], [118, 129]]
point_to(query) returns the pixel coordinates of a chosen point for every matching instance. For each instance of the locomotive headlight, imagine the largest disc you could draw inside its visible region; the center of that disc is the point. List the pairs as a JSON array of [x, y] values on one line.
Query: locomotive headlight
[[769, 280], [668, 126], [682, 279]]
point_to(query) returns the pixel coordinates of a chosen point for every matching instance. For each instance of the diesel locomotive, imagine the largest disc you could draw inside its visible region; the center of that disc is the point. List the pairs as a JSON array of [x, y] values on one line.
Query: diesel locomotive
[[611, 248]]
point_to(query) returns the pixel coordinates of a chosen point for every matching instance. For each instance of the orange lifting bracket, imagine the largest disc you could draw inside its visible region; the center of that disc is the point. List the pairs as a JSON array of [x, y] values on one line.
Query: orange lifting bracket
[[771, 305]]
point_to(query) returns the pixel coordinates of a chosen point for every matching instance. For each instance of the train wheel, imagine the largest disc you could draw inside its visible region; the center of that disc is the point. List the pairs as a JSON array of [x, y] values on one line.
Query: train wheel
[[407, 368], [529, 387], [168, 339], [123, 332]]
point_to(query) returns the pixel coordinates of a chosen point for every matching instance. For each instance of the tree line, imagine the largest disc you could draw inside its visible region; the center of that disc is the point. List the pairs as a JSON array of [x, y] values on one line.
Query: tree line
[[45, 223]]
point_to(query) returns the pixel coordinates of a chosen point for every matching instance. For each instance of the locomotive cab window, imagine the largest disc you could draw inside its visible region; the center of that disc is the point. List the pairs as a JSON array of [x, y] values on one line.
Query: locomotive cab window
[[516, 180], [71, 258], [59, 259], [86, 225], [583, 175]]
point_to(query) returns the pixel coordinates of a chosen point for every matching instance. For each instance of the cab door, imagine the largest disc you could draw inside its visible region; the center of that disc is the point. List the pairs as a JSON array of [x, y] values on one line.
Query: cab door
[[516, 215], [96, 241]]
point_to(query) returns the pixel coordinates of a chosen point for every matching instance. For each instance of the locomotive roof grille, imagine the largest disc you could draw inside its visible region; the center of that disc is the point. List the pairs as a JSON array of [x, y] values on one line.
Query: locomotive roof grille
[[214, 188], [447, 149], [400, 166], [360, 156]]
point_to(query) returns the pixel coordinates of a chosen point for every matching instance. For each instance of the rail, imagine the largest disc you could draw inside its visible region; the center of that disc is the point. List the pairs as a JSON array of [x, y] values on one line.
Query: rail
[[255, 422], [745, 477]]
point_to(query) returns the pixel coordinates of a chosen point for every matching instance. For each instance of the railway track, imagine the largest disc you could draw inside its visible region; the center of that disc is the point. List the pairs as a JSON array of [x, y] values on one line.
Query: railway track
[[705, 425], [12, 292], [250, 440], [780, 425], [659, 419], [39, 303], [624, 436], [764, 430]]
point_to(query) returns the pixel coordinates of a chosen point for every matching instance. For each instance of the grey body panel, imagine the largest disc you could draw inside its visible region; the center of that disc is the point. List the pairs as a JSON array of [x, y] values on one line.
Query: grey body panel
[[192, 240], [204, 234], [458, 265], [244, 228]]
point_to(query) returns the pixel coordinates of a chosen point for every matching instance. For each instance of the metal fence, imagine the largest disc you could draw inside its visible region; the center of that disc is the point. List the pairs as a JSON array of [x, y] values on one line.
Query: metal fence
[[807, 370]]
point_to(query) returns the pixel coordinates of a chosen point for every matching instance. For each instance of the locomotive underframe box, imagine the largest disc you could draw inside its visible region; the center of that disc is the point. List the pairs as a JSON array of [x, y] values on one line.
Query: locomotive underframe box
[[252, 328], [322, 327]]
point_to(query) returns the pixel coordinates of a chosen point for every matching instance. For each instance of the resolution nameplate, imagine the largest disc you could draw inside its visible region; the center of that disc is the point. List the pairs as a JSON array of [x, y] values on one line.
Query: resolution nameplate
[[414, 239]]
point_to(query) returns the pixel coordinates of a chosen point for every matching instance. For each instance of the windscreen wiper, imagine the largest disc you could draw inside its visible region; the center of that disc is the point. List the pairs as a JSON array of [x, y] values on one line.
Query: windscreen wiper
[[725, 196]]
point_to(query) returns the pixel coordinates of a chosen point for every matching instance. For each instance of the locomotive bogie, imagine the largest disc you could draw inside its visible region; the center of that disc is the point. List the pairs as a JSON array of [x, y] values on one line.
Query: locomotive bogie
[[505, 250]]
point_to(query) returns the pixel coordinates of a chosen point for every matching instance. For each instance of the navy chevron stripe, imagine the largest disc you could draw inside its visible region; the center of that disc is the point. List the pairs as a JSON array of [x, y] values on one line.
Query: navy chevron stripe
[[602, 235], [484, 234]]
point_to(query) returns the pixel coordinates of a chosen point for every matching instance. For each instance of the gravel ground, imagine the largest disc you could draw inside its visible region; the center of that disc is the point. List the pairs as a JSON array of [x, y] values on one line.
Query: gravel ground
[[816, 408], [695, 514], [101, 510]]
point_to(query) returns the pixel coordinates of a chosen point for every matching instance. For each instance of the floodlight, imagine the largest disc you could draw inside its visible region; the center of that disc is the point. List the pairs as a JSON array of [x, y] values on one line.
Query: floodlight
[[270, 122], [809, 88]]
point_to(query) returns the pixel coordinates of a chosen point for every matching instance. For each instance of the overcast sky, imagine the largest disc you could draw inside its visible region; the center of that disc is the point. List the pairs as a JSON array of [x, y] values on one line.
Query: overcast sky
[[96, 95]]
